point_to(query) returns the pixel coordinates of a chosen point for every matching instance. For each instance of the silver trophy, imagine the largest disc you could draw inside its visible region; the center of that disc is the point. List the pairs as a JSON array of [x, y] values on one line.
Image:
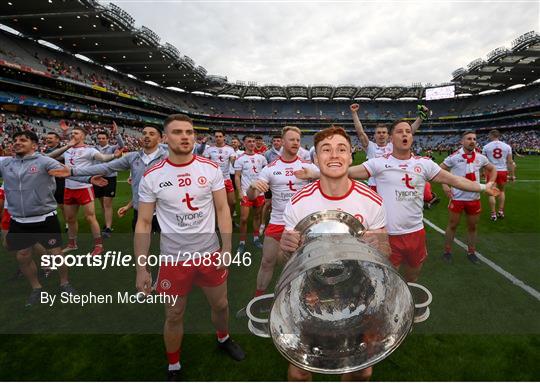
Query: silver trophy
[[339, 305]]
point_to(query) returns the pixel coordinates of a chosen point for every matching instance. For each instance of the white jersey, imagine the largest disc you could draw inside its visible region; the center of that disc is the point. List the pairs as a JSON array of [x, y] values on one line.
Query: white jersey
[[222, 156], [79, 157], [280, 176], [497, 152], [238, 153], [457, 164], [304, 154], [375, 151], [250, 166], [360, 201], [401, 184], [184, 205]]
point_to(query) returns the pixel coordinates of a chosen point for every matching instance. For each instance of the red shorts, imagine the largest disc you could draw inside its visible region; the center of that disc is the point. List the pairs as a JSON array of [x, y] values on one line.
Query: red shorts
[[502, 177], [6, 217], [78, 196], [470, 207], [257, 202], [178, 279], [409, 247], [229, 188], [274, 231]]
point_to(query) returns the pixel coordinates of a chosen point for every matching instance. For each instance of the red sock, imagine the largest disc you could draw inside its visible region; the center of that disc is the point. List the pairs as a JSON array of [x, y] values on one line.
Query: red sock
[[243, 237], [72, 242], [221, 335], [173, 357], [255, 233], [258, 292], [98, 241], [471, 250], [447, 248]]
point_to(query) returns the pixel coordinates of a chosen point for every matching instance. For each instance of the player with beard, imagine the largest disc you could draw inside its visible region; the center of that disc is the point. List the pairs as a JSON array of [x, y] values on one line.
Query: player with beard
[[248, 166], [383, 146], [400, 178], [271, 154], [225, 156], [52, 140], [335, 191], [137, 162], [277, 177], [106, 194], [465, 162], [188, 194]]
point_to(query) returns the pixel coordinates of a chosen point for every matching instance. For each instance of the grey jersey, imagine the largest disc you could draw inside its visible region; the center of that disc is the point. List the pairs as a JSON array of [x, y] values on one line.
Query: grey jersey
[[271, 154], [131, 161], [110, 149], [28, 187]]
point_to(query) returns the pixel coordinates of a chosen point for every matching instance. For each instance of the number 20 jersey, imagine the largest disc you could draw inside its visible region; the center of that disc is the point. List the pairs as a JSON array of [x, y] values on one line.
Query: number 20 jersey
[[184, 204]]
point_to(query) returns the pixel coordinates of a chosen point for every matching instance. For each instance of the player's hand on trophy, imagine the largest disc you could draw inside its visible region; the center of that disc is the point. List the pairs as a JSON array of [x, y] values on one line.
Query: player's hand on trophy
[[143, 282], [355, 108], [492, 190], [260, 185], [99, 181], [290, 241], [306, 174], [62, 172]]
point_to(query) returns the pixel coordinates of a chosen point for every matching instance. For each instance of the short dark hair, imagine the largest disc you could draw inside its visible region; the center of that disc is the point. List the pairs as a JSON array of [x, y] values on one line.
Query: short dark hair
[[28, 134], [158, 128], [258, 137], [380, 125], [331, 131], [177, 117], [494, 133], [55, 134], [396, 123], [276, 136], [468, 132], [102, 132], [80, 128], [248, 136]]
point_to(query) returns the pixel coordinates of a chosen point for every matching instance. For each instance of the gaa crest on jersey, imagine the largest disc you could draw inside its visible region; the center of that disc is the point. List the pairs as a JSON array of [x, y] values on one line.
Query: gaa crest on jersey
[[359, 217], [202, 180], [32, 169], [165, 284]]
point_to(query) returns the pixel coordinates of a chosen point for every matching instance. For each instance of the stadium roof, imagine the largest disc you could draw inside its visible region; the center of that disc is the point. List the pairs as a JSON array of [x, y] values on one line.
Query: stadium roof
[[107, 35]]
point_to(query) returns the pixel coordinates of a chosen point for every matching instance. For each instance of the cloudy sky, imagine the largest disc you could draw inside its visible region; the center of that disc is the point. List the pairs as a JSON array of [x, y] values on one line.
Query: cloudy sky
[[335, 42]]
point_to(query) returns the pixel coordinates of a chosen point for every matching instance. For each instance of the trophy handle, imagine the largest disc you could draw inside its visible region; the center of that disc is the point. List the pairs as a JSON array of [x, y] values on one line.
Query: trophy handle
[[421, 309], [255, 310]]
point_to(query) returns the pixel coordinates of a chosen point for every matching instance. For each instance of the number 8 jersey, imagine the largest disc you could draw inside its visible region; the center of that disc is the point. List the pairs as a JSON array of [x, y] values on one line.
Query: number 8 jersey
[[184, 204]]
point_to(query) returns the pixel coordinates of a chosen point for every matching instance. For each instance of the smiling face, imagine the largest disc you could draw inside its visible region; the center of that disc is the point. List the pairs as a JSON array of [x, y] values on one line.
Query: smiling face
[[151, 138], [22, 145], [102, 139], [333, 156], [402, 137]]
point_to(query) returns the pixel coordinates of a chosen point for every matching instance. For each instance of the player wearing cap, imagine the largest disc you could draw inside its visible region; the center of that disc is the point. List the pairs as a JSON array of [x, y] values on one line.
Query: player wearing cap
[[188, 194], [465, 162], [248, 166], [335, 191], [224, 155], [499, 154]]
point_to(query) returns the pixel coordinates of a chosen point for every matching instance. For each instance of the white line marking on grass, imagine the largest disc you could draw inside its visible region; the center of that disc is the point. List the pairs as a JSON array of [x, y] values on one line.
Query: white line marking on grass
[[527, 181], [491, 264]]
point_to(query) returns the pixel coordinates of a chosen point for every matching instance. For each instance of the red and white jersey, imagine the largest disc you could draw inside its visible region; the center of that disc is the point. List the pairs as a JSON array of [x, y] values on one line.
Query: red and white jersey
[[401, 185], [360, 201], [222, 156], [184, 204], [79, 157], [457, 164], [238, 153], [251, 166], [280, 176], [375, 151], [497, 152]]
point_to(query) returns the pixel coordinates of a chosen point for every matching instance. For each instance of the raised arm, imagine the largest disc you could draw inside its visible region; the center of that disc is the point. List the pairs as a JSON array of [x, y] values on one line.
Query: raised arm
[[422, 115], [362, 136]]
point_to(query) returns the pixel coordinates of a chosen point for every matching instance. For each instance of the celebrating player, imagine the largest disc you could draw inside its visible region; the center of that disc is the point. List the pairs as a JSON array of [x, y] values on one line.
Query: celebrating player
[[225, 156], [334, 191], [248, 167], [465, 162], [499, 154], [187, 193], [106, 194]]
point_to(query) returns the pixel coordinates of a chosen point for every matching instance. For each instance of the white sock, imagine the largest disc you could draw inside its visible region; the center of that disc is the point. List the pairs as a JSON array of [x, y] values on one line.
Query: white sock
[[242, 242], [224, 339], [175, 366]]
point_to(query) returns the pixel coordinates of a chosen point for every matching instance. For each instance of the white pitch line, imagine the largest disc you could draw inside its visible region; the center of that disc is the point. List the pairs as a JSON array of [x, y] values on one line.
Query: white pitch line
[[491, 264]]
